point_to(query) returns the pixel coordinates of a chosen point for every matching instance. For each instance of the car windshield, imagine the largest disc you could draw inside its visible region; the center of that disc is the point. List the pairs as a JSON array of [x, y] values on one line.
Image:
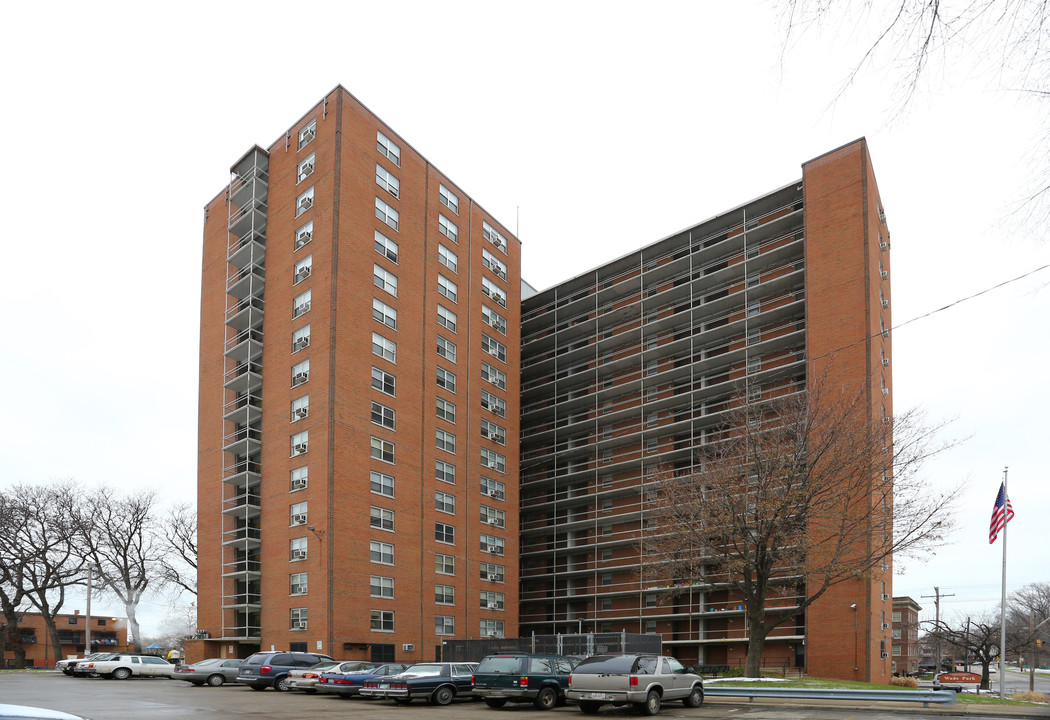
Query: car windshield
[[323, 665], [498, 665], [426, 669]]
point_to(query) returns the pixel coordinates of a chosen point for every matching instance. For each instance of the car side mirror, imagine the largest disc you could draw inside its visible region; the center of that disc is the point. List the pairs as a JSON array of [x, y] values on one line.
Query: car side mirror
[[690, 671]]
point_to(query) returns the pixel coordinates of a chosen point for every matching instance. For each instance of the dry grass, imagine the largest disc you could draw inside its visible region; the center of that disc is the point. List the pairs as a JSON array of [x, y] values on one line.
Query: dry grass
[[1028, 696], [904, 682]]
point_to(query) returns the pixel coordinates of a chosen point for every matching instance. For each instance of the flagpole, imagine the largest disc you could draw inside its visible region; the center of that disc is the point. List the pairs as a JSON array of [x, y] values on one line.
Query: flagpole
[[1002, 605]]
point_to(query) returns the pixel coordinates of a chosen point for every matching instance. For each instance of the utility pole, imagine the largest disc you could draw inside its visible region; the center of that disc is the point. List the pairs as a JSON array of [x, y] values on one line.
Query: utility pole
[[87, 620], [937, 623]]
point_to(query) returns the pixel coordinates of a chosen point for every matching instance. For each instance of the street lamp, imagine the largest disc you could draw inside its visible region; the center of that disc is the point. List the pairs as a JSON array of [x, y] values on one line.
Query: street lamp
[[853, 607]]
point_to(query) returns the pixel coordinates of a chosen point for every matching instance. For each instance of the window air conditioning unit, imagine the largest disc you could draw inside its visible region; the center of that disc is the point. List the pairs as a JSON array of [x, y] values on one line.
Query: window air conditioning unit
[[299, 484], [308, 135], [298, 624], [885, 333], [885, 391], [883, 274], [298, 589], [298, 554], [299, 519], [301, 412], [307, 169], [885, 303], [493, 606], [885, 362], [302, 308], [887, 421], [496, 578], [883, 245], [494, 521], [306, 203], [299, 448], [303, 273], [885, 596], [300, 378], [408, 647], [302, 342], [885, 655], [885, 626], [498, 494]]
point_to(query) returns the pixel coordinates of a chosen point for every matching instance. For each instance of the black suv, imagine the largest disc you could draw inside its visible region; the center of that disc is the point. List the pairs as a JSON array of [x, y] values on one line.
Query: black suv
[[266, 669], [523, 677]]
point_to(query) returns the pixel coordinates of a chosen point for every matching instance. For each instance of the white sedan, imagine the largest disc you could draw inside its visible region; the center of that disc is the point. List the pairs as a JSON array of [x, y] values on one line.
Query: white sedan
[[121, 667]]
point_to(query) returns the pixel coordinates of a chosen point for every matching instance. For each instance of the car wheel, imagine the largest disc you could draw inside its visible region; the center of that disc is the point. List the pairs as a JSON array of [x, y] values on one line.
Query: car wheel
[[589, 706], [495, 702], [216, 680], [695, 698], [93, 674], [651, 706], [257, 687], [281, 684], [402, 701], [121, 674], [546, 699], [443, 695]]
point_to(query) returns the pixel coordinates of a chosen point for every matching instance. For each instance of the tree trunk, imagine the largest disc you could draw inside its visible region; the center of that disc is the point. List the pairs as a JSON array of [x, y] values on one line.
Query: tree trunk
[[757, 641], [133, 625], [52, 631]]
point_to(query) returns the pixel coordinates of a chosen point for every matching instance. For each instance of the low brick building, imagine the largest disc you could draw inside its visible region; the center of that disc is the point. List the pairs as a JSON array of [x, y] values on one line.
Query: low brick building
[[106, 633]]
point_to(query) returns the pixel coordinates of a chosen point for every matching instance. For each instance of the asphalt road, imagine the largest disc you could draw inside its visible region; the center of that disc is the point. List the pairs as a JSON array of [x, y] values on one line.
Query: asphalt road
[[162, 699]]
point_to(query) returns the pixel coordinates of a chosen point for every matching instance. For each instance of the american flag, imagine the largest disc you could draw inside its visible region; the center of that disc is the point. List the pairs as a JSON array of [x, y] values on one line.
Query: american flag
[[1002, 513]]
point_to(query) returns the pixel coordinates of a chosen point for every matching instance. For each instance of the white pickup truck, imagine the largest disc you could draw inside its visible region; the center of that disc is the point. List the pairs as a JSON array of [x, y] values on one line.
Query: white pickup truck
[[643, 681], [121, 667]]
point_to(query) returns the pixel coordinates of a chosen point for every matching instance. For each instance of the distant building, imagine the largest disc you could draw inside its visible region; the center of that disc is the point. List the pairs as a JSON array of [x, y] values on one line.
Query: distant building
[[107, 633], [906, 653]]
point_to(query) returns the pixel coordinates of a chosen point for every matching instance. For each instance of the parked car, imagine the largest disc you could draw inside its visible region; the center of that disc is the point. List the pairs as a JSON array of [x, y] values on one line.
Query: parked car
[[348, 678], [24, 712], [523, 677], [66, 666], [213, 671], [270, 669], [306, 678], [122, 666], [643, 681], [438, 682]]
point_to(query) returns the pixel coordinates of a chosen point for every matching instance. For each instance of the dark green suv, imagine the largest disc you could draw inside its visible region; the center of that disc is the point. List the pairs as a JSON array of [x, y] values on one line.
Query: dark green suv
[[523, 677]]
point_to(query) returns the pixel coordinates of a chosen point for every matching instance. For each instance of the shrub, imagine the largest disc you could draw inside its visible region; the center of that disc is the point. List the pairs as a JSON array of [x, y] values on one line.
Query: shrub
[[734, 672], [1028, 696], [904, 682]]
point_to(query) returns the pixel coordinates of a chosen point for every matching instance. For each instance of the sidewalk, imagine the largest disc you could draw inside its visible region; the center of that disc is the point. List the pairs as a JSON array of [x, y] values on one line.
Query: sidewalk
[[958, 709]]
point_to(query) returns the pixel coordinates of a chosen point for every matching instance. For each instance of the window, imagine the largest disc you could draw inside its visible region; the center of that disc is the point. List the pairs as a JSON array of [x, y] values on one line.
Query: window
[[494, 376], [754, 308], [896, 617], [607, 604], [308, 133], [445, 441], [304, 234], [493, 319], [492, 600], [448, 228], [650, 601], [300, 478], [386, 213], [381, 552], [301, 339], [381, 484], [386, 349], [492, 628], [492, 544], [445, 564], [381, 312], [298, 514], [388, 148], [300, 443], [493, 347], [297, 549], [447, 288], [493, 488], [446, 472], [493, 403], [493, 263], [303, 268], [492, 290], [445, 502], [297, 618], [300, 407], [444, 533], [382, 450], [493, 432], [387, 181], [384, 280], [298, 583], [382, 621], [305, 169], [754, 364], [448, 199], [383, 381], [446, 380], [607, 579], [493, 460], [381, 518], [382, 587], [301, 304], [650, 627], [444, 625], [446, 318], [444, 595], [492, 572], [446, 410], [492, 516], [448, 258], [446, 349], [382, 415], [385, 246], [305, 201], [492, 235]]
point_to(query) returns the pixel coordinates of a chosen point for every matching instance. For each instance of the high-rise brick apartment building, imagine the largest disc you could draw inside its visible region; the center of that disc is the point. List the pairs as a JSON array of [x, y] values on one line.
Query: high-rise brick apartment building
[[626, 373], [362, 333], [358, 418]]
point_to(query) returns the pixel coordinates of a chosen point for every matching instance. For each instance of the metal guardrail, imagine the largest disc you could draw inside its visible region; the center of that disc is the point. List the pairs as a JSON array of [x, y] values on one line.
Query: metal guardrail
[[943, 697]]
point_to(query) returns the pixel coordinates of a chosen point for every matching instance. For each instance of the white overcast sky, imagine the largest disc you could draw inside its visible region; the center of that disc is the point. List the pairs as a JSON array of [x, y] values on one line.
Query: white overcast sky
[[604, 126]]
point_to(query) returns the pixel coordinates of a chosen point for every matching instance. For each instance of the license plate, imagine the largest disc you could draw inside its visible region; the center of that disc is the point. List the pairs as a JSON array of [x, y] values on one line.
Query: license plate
[[247, 672], [385, 686], [597, 696]]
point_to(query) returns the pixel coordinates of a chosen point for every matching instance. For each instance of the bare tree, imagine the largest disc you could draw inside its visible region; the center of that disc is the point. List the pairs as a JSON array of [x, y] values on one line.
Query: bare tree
[[180, 533], [119, 538], [977, 637], [12, 592], [1027, 616], [798, 493]]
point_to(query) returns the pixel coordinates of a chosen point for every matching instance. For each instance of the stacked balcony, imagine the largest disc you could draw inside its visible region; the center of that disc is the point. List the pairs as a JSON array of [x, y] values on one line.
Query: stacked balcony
[[242, 384]]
